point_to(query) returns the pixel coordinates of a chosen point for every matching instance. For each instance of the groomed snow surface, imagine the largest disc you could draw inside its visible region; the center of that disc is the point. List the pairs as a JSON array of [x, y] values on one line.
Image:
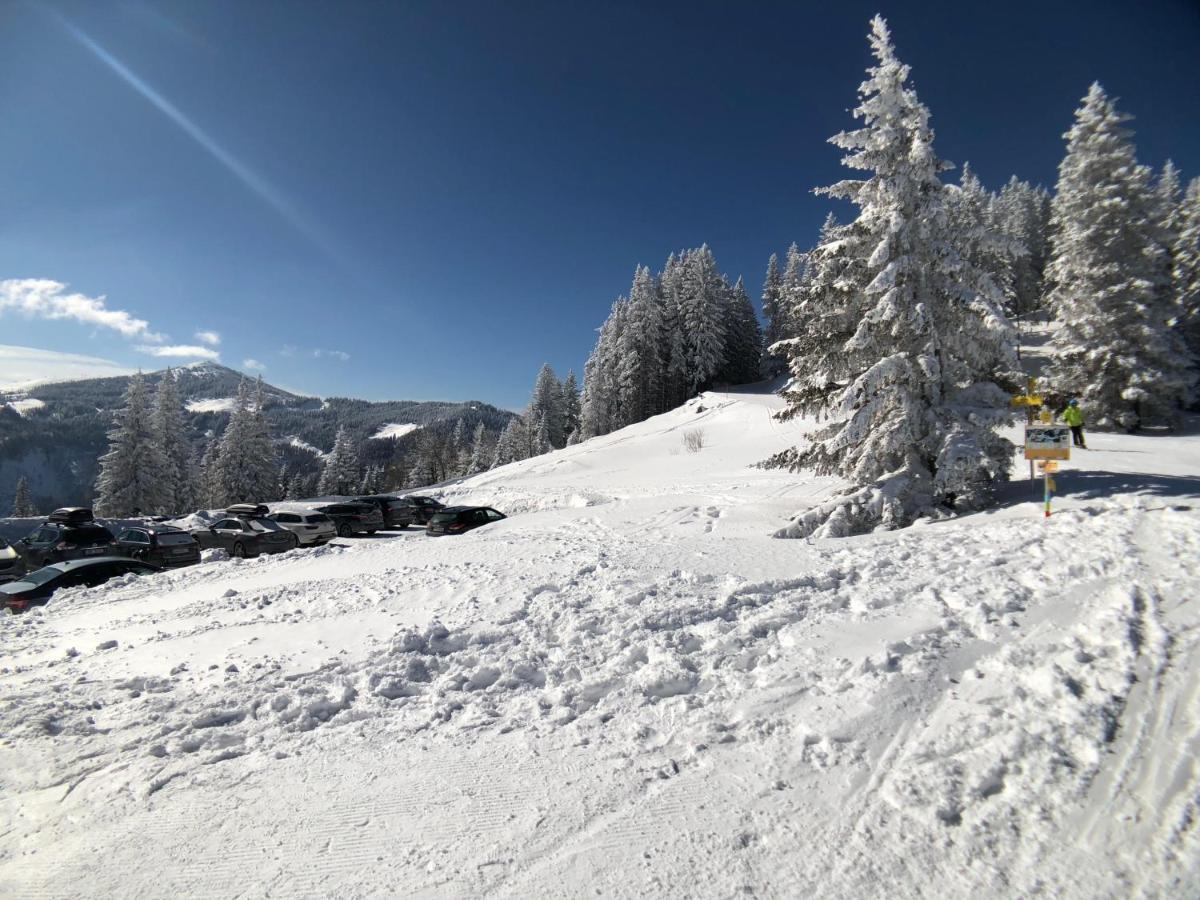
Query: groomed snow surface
[[630, 689]]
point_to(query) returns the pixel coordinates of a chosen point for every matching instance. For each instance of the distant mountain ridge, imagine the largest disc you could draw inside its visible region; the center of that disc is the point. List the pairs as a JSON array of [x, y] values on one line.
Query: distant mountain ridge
[[58, 443]]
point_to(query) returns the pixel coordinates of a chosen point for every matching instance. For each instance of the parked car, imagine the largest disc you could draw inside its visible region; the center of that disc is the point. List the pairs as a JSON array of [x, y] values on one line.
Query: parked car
[[36, 588], [397, 511], [312, 529], [246, 531], [162, 545], [69, 533], [457, 519], [354, 518], [422, 508], [11, 564]]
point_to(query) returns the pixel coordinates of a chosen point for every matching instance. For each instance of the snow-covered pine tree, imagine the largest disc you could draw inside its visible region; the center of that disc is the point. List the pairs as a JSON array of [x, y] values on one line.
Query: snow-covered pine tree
[[171, 433], [572, 410], [246, 470], [772, 301], [908, 400], [460, 450], [601, 411], [978, 242], [702, 310], [546, 403], [210, 488], [743, 339], [1185, 273], [639, 367], [1021, 213], [341, 474], [133, 474], [513, 443], [539, 437], [1116, 349], [22, 505], [481, 451], [674, 352]]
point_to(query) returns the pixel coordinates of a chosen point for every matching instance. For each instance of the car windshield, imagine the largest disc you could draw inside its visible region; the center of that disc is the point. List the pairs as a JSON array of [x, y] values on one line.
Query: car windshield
[[264, 525], [442, 517], [174, 540], [41, 576], [88, 534]]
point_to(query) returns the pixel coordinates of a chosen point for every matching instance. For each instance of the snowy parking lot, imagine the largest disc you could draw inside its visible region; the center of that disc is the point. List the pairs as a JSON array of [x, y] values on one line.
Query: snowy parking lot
[[630, 688]]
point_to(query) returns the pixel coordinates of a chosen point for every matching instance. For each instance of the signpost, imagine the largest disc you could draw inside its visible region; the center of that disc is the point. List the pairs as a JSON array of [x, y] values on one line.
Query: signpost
[[1047, 444]]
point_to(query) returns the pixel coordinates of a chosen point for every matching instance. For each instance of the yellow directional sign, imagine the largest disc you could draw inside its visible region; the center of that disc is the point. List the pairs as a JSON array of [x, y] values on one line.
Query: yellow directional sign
[[1048, 465], [1027, 400]]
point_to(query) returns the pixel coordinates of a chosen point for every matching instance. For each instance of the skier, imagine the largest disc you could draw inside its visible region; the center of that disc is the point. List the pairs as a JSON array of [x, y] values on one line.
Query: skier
[[1074, 417]]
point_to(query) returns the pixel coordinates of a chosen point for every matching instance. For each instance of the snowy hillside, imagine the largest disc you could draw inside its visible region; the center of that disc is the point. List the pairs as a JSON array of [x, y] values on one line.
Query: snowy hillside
[[630, 689]]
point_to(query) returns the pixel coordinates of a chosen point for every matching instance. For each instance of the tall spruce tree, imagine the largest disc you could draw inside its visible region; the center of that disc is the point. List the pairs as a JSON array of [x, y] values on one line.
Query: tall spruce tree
[[246, 467], [1185, 271], [546, 403], [481, 451], [133, 474], [171, 433], [1116, 348], [341, 474], [639, 374], [743, 339], [22, 505], [571, 406], [908, 399], [773, 312]]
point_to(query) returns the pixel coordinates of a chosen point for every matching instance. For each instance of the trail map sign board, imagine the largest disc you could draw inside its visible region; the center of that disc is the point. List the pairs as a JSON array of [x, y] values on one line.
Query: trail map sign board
[[1047, 442]]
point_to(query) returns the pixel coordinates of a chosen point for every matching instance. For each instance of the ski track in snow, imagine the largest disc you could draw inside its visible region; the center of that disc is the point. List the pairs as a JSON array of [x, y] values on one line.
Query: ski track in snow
[[630, 689]]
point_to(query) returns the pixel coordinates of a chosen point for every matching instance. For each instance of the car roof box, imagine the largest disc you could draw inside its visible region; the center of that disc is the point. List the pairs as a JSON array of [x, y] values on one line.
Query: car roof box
[[71, 515], [247, 509]]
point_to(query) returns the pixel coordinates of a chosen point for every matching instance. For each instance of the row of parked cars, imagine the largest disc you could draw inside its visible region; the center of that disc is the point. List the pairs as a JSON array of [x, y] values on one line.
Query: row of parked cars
[[74, 549]]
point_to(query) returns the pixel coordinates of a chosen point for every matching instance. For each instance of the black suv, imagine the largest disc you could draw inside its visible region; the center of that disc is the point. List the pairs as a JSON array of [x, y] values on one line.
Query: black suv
[[246, 531], [422, 509], [161, 545], [36, 588], [69, 533], [354, 518], [457, 519], [397, 511]]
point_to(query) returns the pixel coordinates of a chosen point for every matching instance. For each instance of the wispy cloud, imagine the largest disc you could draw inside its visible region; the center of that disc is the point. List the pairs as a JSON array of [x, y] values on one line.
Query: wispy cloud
[[23, 367], [212, 338], [335, 354], [252, 364], [182, 351], [45, 299], [287, 350]]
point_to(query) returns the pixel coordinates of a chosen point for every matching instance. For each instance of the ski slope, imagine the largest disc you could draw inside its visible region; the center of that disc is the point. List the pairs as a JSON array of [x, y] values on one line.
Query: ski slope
[[629, 688]]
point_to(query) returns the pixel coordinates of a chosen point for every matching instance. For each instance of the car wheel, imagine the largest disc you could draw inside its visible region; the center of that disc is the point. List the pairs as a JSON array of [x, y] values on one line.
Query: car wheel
[[295, 542], [371, 531], [238, 550], [344, 530]]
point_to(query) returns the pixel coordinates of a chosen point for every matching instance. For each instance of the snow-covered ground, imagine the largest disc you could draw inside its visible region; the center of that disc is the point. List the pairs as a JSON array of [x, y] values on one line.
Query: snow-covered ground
[[394, 430], [630, 689], [25, 405], [215, 405]]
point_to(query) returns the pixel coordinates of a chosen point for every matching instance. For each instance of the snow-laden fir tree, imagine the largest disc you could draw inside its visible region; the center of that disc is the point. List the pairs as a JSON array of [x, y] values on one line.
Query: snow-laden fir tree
[[572, 411], [1185, 271], [772, 304], [979, 243], [133, 474], [171, 433], [743, 339], [908, 399], [546, 403], [210, 488], [601, 389], [674, 351], [246, 470], [460, 450], [482, 451], [513, 444], [22, 505], [703, 320], [1117, 351], [639, 374], [341, 473], [1021, 213]]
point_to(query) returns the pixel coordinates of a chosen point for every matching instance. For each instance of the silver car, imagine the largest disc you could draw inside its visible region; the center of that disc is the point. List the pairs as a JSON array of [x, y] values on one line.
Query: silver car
[[312, 528]]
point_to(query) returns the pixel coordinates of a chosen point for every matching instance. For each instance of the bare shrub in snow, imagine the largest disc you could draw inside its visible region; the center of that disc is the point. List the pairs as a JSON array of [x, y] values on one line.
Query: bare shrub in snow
[[693, 440]]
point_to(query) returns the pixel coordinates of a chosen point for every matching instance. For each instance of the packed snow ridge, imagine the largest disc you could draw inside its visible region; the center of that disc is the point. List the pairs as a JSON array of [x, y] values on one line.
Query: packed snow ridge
[[224, 404], [630, 688]]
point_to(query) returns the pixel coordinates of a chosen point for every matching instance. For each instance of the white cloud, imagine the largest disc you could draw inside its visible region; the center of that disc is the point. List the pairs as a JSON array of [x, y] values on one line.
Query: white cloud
[[252, 364], [335, 354], [212, 338], [184, 351], [287, 350], [46, 299], [23, 367]]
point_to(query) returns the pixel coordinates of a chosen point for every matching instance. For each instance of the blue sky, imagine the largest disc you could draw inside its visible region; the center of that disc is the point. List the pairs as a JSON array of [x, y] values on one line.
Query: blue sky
[[428, 200]]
